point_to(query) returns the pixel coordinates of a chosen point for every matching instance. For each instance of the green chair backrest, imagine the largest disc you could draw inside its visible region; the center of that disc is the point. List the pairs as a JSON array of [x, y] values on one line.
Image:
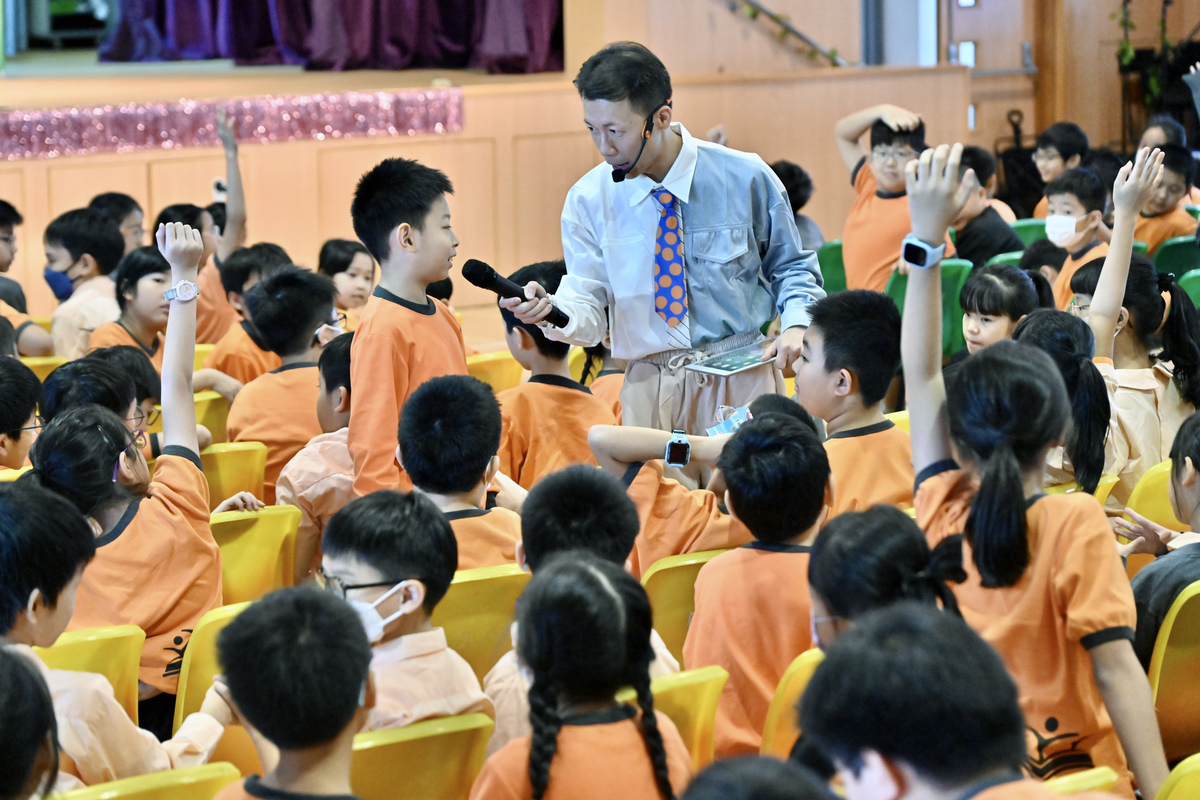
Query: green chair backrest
[[1191, 284], [1013, 258], [1030, 230], [1179, 255], [955, 272], [832, 268], [1141, 247]]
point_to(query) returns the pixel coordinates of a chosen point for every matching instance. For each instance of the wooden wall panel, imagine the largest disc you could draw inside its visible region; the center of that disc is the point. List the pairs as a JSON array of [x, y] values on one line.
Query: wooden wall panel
[[183, 179], [538, 195], [73, 185]]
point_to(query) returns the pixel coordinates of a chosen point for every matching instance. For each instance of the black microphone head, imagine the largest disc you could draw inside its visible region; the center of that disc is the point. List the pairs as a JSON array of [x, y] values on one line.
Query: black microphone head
[[619, 174], [478, 273]]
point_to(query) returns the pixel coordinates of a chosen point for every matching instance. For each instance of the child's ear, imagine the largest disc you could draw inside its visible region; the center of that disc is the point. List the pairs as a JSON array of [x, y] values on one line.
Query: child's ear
[[1049, 273], [406, 238], [729, 505], [341, 402], [5, 447], [412, 597], [1188, 474], [125, 469], [845, 383], [399, 458], [89, 264], [880, 777], [1073, 161], [493, 467], [524, 340], [1122, 319], [369, 692]]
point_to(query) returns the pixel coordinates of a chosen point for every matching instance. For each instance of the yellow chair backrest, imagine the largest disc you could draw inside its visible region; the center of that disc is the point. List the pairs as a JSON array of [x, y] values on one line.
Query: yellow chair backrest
[[12, 474], [1103, 488], [498, 370], [44, 323], [477, 613], [42, 366], [1150, 498], [782, 727], [186, 783], [1184, 781], [1173, 669], [690, 699], [258, 551], [438, 759], [1098, 779], [202, 351], [670, 582], [900, 418], [114, 652], [233, 467], [212, 411], [576, 360]]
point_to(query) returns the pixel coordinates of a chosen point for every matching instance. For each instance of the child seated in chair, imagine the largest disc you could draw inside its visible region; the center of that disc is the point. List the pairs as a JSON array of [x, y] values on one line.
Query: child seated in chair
[[241, 352], [82, 249], [20, 397]]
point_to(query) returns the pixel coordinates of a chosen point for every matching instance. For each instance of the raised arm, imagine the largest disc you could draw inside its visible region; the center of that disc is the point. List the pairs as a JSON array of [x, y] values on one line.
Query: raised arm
[[849, 130], [182, 246], [234, 234], [617, 446], [1133, 187]]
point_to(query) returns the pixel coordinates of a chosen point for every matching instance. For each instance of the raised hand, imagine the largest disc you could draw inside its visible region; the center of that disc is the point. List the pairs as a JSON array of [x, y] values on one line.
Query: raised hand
[[935, 192], [225, 130], [1136, 182], [897, 118], [180, 245]]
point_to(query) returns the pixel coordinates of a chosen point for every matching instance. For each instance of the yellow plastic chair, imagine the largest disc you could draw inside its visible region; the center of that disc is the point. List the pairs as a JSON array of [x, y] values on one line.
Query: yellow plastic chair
[[12, 474], [258, 551], [900, 418], [186, 783], [1103, 488], [1173, 669], [114, 652], [576, 360], [437, 759], [1184, 781], [477, 613], [690, 699], [1098, 779], [1150, 498], [43, 322], [498, 370], [212, 411], [202, 351], [233, 467], [782, 727], [42, 366], [670, 582]]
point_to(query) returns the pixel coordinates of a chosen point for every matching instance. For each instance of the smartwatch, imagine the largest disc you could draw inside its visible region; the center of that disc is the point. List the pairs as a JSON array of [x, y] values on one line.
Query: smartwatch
[[916, 253], [183, 291], [679, 450]]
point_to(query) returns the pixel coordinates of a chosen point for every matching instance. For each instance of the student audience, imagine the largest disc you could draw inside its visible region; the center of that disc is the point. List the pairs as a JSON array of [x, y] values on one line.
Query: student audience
[[1046, 258], [19, 403], [352, 269], [982, 231], [1076, 207], [994, 300], [1164, 216], [1059, 148], [82, 248], [11, 292], [124, 212], [241, 353]]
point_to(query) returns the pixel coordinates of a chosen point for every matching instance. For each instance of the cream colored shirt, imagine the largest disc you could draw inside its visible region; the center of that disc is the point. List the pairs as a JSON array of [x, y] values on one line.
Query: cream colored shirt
[[319, 480], [93, 303]]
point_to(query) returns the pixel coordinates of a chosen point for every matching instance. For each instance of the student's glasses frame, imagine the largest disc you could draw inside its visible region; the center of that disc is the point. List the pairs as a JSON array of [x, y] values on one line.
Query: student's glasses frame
[[139, 441], [332, 583], [140, 418], [900, 155]]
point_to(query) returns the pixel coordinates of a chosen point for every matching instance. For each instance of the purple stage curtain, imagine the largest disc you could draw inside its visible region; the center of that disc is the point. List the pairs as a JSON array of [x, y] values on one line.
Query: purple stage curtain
[[497, 35]]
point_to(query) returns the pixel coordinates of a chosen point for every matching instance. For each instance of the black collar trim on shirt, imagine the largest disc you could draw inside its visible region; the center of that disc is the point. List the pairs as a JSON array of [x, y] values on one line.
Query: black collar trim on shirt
[[255, 788], [983, 786], [558, 380], [607, 372], [297, 365], [252, 332], [1083, 251], [148, 351], [123, 523], [866, 430], [466, 513], [936, 468], [631, 473], [882, 195], [1030, 501], [428, 310], [618, 713], [778, 547]]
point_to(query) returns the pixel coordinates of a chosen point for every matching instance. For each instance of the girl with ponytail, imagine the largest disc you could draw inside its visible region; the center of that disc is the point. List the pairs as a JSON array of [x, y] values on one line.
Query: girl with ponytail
[[1044, 585], [583, 634]]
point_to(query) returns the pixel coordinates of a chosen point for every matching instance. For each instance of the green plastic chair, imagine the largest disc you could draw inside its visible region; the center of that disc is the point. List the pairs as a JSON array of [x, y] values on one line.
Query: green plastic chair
[[1030, 230], [1191, 284], [832, 268], [1141, 247], [1013, 258], [955, 272], [1179, 255], [1194, 211]]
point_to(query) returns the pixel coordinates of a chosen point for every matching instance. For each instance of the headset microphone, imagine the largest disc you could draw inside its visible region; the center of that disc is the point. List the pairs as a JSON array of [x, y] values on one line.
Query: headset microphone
[[619, 174]]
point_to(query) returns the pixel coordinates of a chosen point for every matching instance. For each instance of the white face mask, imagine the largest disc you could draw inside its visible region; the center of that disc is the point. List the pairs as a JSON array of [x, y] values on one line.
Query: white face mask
[[1060, 230], [371, 620]]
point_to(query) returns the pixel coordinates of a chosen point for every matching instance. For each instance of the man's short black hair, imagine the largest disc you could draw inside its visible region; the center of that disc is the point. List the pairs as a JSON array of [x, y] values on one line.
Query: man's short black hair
[[85, 230], [337, 255], [139, 263], [449, 432], [980, 160], [396, 191], [1172, 128], [258, 260], [549, 274], [87, 381], [132, 361], [289, 307], [757, 778], [1042, 253], [8, 339], [1067, 138], [296, 663], [115, 206], [780, 404], [20, 396], [796, 182], [403, 536], [334, 362], [884, 136], [776, 471], [625, 71], [578, 508], [1084, 185], [916, 685], [860, 330], [9, 216], [1180, 161], [44, 543]]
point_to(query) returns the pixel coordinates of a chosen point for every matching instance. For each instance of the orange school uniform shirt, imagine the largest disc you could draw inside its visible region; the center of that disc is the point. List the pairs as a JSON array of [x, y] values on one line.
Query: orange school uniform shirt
[[601, 755], [486, 537], [607, 386], [113, 334], [18, 320], [159, 568], [278, 409], [675, 519], [752, 618], [870, 466], [1156, 230], [545, 427], [239, 356], [214, 315], [419, 677], [398, 346], [1062, 284], [1042, 209], [1073, 596]]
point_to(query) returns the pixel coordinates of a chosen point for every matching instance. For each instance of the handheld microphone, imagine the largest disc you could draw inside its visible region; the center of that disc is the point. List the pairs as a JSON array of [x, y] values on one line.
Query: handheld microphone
[[619, 174], [483, 276]]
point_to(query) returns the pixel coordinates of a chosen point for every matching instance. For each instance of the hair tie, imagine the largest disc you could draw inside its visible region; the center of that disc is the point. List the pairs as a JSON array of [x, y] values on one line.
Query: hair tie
[[1166, 296]]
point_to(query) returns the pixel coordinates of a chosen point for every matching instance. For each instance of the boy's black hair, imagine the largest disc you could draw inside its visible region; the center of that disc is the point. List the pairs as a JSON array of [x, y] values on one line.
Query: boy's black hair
[[980, 160], [403, 536], [1172, 128], [20, 396], [139, 263], [776, 471], [84, 230], [626, 71], [261, 260], [1084, 185], [396, 191], [757, 778], [336, 255], [147, 385], [779, 404], [999, 290], [289, 306], [548, 274], [578, 508], [449, 432], [860, 330], [1067, 138], [9, 216], [75, 454], [115, 206], [1104, 164], [917, 686], [1179, 160], [8, 339], [1186, 444], [1087, 277], [796, 182], [217, 212], [292, 644], [186, 213], [441, 290], [883, 136], [1041, 253], [27, 726], [334, 362], [44, 543], [87, 381]]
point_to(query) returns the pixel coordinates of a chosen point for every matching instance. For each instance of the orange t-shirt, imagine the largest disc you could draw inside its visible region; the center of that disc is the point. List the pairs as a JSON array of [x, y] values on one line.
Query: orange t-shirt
[[546, 422], [486, 537], [1073, 596], [214, 315], [113, 334], [607, 386], [159, 568], [1156, 230], [752, 618], [600, 755], [278, 409], [887, 448], [239, 357], [398, 346], [1062, 284], [1042, 209], [674, 519]]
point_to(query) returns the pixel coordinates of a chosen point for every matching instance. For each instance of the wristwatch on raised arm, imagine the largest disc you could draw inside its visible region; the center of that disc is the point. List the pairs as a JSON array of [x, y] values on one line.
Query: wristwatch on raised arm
[[183, 291], [917, 253], [679, 450]]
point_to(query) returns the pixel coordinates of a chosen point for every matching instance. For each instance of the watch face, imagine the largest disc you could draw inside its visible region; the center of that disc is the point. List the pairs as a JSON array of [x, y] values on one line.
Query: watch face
[[915, 254], [185, 290], [678, 452]]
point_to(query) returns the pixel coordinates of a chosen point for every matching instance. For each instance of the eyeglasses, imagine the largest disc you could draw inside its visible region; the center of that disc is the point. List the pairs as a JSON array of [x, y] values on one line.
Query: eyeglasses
[[884, 154], [1042, 157], [1078, 309], [333, 583], [140, 418], [8, 239], [36, 426], [139, 441]]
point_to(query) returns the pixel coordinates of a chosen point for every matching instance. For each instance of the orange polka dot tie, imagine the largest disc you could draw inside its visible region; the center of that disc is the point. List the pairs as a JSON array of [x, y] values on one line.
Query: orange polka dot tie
[[670, 285]]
